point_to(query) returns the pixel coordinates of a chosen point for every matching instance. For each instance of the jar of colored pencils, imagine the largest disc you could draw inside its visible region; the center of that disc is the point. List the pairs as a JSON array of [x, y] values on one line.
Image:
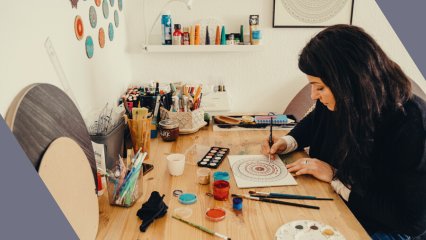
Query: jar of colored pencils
[[221, 190], [123, 183]]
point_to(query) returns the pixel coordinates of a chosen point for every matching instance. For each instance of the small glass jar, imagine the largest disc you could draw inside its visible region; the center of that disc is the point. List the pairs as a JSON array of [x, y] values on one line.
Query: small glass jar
[[221, 190], [169, 130]]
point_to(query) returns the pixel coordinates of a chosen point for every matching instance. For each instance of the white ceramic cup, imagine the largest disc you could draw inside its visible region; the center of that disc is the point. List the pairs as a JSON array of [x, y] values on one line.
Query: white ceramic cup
[[176, 164]]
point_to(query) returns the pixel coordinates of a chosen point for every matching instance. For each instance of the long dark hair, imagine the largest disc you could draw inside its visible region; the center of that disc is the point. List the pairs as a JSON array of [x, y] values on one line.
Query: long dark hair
[[365, 84]]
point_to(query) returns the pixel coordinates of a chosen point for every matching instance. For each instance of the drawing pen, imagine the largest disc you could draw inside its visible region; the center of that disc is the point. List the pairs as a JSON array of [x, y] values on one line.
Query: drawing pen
[[275, 201], [284, 196], [271, 142]]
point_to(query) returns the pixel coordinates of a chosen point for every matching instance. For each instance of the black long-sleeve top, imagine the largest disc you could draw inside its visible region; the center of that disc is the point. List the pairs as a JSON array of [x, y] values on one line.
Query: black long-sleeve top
[[394, 200]]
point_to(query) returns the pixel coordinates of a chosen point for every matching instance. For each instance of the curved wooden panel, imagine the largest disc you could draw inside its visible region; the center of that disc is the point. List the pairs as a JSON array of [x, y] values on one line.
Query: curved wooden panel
[[67, 174], [41, 113]]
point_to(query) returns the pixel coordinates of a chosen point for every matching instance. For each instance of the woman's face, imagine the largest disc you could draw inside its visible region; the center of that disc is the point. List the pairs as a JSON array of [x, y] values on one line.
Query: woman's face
[[320, 91]]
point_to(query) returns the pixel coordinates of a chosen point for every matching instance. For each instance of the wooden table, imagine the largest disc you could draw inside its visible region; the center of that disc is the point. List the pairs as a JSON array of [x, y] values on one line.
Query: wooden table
[[259, 220]]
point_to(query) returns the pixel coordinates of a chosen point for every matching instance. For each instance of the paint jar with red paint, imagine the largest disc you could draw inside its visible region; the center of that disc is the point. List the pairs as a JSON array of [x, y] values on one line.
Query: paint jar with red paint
[[221, 190], [215, 214]]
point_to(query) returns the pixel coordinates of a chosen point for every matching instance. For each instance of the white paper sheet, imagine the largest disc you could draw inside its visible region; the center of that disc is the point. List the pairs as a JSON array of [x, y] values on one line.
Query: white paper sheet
[[256, 171]]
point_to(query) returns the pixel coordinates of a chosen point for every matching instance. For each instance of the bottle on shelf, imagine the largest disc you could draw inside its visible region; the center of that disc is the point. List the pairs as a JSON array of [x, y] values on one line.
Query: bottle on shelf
[[192, 35], [166, 28], [223, 36], [217, 40], [242, 34], [207, 36], [177, 35], [197, 35], [255, 32], [185, 36]]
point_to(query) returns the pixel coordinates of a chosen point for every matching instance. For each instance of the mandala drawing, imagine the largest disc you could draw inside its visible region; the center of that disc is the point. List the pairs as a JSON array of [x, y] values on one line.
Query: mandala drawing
[[257, 171], [313, 11]]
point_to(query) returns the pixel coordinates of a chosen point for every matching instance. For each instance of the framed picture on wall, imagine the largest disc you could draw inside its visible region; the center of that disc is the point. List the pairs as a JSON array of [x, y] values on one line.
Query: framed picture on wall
[[311, 13]]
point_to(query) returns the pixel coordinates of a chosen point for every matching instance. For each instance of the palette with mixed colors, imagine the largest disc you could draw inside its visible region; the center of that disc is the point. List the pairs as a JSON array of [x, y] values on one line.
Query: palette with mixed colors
[[307, 230], [214, 157]]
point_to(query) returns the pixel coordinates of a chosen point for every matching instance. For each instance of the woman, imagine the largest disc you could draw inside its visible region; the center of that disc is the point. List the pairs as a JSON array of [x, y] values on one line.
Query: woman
[[366, 135]]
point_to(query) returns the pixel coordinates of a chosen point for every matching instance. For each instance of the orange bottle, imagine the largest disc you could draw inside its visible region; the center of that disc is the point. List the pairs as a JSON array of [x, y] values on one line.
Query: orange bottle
[[197, 35], [217, 41]]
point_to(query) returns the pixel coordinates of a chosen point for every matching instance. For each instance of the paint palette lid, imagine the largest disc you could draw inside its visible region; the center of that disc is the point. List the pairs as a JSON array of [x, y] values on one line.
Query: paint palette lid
[[221, 176], [215, 214], [187, 198], [307, 230]]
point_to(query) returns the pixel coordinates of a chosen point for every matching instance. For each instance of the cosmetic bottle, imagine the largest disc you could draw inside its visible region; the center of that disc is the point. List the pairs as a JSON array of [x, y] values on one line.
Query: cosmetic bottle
[[166, 28], [185, 36], [177, 35]]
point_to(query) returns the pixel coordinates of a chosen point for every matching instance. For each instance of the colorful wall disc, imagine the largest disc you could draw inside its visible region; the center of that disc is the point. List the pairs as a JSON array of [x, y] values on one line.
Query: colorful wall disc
[[120, 4], [74, 3], [78, 27], [116, 19], [101, 38], [89, 47], [93, 18], [98, 2], [105, 8], [111, 32]]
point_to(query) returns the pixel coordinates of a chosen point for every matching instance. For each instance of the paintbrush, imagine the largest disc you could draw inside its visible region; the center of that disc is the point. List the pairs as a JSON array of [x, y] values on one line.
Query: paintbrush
[[203, 228], [274, 201], [284, 195], [271, 142]]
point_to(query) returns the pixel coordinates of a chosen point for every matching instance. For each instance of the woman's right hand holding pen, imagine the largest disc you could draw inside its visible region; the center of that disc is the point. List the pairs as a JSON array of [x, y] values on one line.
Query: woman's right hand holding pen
[[278, 146]]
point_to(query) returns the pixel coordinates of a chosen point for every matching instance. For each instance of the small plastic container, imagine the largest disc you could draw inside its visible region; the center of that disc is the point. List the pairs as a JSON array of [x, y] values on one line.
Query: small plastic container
[[237, 203], [187, 198], [221, 190], [203, 176], [124, 191], [215, 214], [169, 130]]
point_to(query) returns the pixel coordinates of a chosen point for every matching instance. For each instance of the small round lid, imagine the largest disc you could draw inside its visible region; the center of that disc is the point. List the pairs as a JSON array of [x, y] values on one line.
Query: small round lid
[[187, 198], [178, 26], [177, 192], [203, 171], [221, 176], [168, 124], [237, 200], [183, 212]]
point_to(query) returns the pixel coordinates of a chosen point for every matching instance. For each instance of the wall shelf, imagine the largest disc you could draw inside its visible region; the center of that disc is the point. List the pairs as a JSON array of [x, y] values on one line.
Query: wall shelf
[[201, 48]]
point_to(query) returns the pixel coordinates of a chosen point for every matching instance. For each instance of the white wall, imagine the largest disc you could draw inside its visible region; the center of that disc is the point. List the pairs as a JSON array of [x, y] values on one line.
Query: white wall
[[259, 81], [23, 59]]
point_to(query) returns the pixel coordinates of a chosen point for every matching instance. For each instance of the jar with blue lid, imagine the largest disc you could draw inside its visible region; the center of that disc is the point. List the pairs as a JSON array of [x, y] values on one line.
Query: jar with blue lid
[[221, 176]]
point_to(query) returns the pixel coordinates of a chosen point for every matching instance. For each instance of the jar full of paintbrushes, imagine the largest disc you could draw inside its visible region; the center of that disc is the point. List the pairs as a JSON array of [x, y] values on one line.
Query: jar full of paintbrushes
[[140, 129]]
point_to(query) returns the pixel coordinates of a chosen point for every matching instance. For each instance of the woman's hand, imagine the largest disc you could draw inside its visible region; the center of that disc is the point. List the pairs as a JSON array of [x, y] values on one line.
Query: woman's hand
[[279, 146], [317, 168]]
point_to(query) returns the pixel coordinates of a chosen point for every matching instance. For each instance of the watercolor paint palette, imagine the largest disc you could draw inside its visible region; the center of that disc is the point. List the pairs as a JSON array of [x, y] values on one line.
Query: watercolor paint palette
[[307, 230], [251, 122], [214, 157]]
